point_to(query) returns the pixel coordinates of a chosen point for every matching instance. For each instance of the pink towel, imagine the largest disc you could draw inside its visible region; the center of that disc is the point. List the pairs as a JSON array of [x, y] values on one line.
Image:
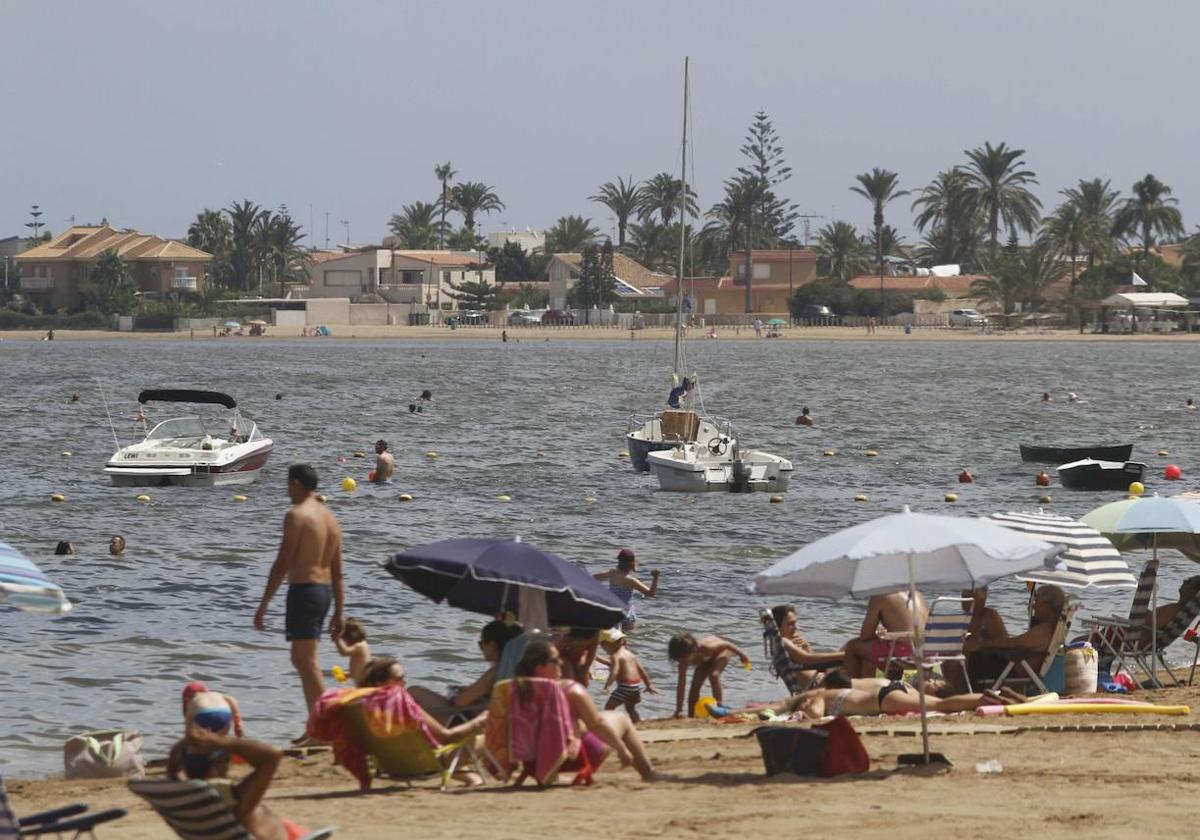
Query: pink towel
[[536, 729]]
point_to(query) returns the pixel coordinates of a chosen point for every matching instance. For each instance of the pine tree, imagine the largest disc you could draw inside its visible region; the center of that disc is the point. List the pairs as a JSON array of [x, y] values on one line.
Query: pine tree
[[771, 218]]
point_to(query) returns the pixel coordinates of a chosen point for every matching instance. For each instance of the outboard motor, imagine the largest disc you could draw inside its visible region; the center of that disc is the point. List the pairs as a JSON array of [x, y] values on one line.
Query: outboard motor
[[741, 474]]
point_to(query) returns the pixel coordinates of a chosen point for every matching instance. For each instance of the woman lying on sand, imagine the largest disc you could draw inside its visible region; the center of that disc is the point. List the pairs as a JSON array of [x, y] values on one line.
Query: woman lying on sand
[[883, 697]]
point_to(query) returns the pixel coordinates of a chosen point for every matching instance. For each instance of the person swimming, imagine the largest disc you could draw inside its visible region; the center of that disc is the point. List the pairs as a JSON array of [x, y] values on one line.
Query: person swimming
[[805, 418], [1046, 397], [1190, 405]]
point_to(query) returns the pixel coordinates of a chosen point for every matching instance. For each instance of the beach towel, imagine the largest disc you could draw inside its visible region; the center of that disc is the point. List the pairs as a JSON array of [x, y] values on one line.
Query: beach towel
[[388, 710], [536, 731]]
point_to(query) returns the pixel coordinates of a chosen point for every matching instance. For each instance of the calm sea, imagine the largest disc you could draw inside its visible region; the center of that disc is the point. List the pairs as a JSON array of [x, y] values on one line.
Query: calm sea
[[541, 422]]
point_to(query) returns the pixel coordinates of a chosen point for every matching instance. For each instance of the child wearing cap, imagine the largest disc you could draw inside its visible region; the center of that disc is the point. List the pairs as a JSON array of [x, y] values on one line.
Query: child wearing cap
[[208, 710], [623, 583], [625, 669]]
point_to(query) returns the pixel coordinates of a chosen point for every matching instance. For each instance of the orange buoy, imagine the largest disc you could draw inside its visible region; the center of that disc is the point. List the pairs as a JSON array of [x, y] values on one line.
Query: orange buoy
[[371, 475], [1043, 479], [1172, 472], [965, 477]]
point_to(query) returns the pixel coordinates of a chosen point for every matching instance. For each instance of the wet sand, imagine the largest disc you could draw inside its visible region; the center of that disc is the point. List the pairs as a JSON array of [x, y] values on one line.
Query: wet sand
[[1099, 782]]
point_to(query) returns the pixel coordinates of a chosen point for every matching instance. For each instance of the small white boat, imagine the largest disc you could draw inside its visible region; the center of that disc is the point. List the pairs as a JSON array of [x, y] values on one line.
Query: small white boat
[[192, 451], [696, 468], [667, 429]]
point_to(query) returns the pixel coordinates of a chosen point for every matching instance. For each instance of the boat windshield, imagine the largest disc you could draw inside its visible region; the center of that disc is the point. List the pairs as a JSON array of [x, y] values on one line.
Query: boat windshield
[[180, 427]]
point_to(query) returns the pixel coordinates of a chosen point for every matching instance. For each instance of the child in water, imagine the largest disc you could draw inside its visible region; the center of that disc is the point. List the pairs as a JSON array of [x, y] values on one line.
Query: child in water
[[708, 655], [353, 645], [625, 669], [623, 583]]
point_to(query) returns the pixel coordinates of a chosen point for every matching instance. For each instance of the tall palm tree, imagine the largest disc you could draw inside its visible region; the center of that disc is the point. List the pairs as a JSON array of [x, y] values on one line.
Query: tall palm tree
[[1149, 211], [999, 186], [473, 197], [1020, 275], [623, 199], [243, 220], [569, 234], [841, 251], [661, 195], [280, 249], [879, 186], [947, 208], [1066, 231], [1097, 202], [653, 244], [417, 226], [212, 232], [444, 172]]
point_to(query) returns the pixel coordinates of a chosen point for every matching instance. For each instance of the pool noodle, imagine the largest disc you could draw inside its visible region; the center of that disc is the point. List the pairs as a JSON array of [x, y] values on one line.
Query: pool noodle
[[1095, 708], [1053, 700]]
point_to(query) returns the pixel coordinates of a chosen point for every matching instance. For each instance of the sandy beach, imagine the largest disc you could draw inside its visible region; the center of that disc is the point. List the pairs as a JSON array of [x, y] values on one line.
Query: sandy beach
[[1062, 776], [543, 334]]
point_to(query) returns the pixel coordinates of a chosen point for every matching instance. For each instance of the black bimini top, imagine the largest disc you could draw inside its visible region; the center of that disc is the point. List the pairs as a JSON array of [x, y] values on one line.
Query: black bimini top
[[167, 395]]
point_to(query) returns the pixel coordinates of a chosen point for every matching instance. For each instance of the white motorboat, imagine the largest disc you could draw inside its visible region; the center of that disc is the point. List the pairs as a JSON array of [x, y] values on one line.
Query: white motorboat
[[192, 451], [719, 466]]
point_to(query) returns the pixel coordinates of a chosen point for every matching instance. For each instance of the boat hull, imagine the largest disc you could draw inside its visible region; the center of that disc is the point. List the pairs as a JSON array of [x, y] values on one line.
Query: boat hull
[[243, 470], [1067, 454], [757, 472], [1092, 474], [640, 449]]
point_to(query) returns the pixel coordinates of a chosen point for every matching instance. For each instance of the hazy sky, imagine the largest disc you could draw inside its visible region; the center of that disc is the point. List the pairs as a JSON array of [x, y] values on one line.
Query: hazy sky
[[146, 112]]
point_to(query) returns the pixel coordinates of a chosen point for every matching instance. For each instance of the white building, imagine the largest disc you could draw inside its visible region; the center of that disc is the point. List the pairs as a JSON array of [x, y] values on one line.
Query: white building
[[529, 239], [413, 277]]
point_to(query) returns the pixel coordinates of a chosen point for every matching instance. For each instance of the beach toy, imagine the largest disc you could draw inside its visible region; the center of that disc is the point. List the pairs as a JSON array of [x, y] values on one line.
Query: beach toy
[[1042, 479], [431, 455], [776, 498], [951, 497], [746, 666], [349, 484], [338, 673], [370, 475], [58, 497], [1172, 472], [829, 453], [707, 707], [1137, 488], [66, 453], [1092, 708], [861, 497], [240, 498], [871, 453], [965, 477], [143, 498], [766, 714], [341, 459], [503, 497], [405, 497], [1044, 500]]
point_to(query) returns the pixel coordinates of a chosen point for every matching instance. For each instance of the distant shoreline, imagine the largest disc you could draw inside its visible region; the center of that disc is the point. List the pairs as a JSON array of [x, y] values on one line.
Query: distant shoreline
[[542, 334]]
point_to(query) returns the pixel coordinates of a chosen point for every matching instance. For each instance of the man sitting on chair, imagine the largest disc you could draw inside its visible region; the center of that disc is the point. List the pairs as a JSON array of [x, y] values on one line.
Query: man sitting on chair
[[890, 613], [986, 660]]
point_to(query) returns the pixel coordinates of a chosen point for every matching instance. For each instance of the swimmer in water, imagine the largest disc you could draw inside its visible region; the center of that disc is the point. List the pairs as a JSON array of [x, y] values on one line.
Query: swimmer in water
[[805, 418], [1191, 405], [116, 546], [75, 397], [1046, 397], [1073, 397], [385, 463], [426, 396]]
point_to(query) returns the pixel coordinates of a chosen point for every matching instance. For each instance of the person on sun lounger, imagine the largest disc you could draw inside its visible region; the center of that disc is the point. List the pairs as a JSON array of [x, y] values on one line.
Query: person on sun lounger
[[890, 613]]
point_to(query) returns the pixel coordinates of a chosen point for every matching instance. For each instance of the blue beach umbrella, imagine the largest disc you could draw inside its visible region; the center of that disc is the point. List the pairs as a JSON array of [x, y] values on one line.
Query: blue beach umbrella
[[491, 576], [23, 585]]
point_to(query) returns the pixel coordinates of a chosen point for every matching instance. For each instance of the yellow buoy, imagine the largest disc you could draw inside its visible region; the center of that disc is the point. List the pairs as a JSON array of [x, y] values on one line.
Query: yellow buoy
[[871, 453], [1137, 488], [1162, 453], [240, 498], [321, 497], [431, 455], [589, 499], [829, 453], [503, 498], [951, 497], [349, 484], [776, 499], [861, 497], [58, 497], [66, 453], [540, 453], [1044, 500], [143, 498], [360, 454], [405, 497], [622, 454]]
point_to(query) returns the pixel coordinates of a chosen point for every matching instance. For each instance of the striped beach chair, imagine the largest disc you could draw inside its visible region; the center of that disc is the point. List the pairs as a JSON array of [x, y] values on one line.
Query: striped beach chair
[[195, 811], [69, 820], [945, 632], [1148, 652], [781, 665], [1121, 638]]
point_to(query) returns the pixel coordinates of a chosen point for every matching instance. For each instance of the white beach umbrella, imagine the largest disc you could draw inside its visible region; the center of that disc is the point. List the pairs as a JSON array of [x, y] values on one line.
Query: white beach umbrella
[[903, 551]]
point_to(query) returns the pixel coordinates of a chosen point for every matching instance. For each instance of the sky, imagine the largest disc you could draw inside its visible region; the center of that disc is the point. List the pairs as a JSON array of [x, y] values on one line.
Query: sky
[[144, 112]]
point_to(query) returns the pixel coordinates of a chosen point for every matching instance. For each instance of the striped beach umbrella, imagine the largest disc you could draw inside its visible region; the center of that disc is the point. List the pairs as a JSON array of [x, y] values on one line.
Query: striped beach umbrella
[[1090, 558], [23, 585]]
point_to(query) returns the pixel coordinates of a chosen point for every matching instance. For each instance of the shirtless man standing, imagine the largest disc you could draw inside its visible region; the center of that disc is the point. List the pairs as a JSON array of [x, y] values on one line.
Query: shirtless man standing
[[885, 613], [385, 463], [310, 557]]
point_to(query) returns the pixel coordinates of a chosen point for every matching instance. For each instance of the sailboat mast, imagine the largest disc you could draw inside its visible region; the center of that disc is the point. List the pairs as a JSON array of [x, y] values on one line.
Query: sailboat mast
[[682, 233]]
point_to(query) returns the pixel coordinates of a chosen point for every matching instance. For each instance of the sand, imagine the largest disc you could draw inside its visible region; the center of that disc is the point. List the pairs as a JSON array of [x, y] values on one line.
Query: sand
[[542, 334], [1097, 783]]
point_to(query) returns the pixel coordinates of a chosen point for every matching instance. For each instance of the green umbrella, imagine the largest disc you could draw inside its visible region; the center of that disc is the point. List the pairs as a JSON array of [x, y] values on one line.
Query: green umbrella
[[776, 322], [1105, 518]]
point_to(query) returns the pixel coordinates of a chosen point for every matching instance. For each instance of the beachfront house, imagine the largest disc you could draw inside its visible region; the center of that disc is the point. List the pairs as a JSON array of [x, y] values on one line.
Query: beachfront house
[[54, 274], [419, 278], [634, 281]]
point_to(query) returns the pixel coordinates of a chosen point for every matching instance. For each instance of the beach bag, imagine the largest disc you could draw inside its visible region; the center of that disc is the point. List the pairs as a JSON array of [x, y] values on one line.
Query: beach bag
[[844, 750], [104, 754], [1080, 670], [790, 749]]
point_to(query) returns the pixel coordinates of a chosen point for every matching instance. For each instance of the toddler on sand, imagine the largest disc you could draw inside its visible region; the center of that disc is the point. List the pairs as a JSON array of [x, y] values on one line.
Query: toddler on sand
[[626, 670]]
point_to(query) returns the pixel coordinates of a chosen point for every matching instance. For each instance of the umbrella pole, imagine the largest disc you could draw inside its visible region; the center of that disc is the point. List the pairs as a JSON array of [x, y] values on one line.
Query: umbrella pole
[[1154, 620], [919, 654]]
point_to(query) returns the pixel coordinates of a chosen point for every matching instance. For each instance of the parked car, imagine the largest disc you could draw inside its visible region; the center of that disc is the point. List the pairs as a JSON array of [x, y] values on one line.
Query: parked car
[[468, 316], [558, 317], [820, 313], [966, 318], [523, 318]]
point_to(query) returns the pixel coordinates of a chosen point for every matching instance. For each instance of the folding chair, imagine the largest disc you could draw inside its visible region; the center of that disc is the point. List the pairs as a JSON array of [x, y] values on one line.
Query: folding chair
[[58, 821], [1148, 652], [944, 635], [194, 810], [1020, 659], [1118, 635], [408, 756], [781, 664]]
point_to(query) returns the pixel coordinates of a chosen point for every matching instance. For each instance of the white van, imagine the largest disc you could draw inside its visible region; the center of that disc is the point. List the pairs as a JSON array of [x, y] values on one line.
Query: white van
[[966, 318]]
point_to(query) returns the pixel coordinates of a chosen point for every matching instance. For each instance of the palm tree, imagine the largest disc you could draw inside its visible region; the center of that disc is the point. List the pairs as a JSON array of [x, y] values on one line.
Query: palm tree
[[623, 199], [279, 241], [1097, 202], [890, 241], [879, 186], [652, 243], [212, 232], [417, 226], [1065, 231], [243, 219], [841, 251], [947, 208], [661, 195], [110, 287], [998, 186], [473, 197], [1149, 211], [444, 173], [569, 234], [1020, 275]]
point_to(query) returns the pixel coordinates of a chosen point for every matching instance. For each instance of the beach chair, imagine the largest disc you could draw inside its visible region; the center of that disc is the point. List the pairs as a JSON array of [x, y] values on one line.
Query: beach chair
[[69, 820], [408, 756], [194, 810], [1115, 634], [781, 665], [944, 635], [1146, 649], [1019, 662]]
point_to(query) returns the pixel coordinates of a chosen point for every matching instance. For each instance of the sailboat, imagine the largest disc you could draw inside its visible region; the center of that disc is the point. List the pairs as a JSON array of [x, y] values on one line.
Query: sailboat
[[684, 450]]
